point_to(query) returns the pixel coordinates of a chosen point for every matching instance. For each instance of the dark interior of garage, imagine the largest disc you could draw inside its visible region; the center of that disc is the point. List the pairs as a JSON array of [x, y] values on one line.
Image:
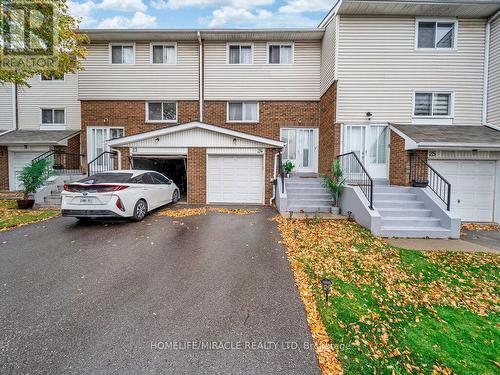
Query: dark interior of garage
[[173, 168]]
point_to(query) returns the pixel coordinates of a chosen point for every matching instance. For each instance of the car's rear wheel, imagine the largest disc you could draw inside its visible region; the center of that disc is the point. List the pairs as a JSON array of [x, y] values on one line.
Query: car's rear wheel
[[140, 210], [175, 196]]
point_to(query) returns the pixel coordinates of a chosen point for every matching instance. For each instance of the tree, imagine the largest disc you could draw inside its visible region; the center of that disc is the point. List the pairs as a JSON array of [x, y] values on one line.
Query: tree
[[38, 37]]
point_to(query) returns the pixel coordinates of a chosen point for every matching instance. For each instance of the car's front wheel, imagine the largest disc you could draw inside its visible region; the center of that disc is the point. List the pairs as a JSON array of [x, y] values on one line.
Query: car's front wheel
[[140, 210], [175, 196]]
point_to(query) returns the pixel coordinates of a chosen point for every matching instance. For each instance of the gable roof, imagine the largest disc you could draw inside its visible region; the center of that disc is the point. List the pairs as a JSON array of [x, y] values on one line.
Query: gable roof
[[194, 125], [36, 137]]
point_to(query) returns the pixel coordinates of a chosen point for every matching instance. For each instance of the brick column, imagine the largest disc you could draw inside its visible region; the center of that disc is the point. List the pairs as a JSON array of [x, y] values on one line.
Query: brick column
[[125, 157], [329, 130], [197, 175], [4, 168], [399, 162]]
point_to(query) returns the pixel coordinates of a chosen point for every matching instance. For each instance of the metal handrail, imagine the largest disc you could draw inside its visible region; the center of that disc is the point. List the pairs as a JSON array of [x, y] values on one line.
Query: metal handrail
[[60, 163], [423, 175], [107, 163], [356, 174]]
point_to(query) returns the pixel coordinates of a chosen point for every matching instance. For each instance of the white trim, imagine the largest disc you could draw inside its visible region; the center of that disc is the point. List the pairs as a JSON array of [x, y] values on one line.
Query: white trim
[[315, 154], [410, 144], [244, 44], [147, 120], [14, 107], [110, 53], [200, 75], [242, 112], [163, 44], [437, 20], [336, 51], [53, 125], [90, 139], [292, 44], [451, 114], [191, 125]]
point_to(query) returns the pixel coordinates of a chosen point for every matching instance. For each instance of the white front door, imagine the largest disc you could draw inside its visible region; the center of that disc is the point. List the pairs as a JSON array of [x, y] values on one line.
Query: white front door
[[301, 148], [97, 144], [371, 145]]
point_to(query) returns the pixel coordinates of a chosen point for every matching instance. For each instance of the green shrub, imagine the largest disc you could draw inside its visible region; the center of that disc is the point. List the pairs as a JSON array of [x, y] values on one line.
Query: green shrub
[[288, 166], [335, 182], [33, 176]]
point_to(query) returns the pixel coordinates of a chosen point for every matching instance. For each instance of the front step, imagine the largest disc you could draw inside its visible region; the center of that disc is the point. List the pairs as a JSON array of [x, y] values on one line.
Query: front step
[[416, 222], [307, 195], [404, 212], [398, 204], [309, 209], [309, 202], [412, 232], [394, 196]]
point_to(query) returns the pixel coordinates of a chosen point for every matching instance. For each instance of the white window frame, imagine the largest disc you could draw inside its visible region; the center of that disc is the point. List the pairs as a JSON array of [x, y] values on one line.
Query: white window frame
[[292, 44], [90, 142], [110, 52], [52, 80], [250, 44], [437, 20], [451, 115], [243, 102], [53, 126], [163, 44], [162, 121]]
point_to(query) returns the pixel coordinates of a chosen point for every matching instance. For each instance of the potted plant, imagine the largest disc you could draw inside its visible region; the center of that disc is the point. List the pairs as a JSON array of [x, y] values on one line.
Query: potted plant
[[288, 166], [32, 177], [335, 183]]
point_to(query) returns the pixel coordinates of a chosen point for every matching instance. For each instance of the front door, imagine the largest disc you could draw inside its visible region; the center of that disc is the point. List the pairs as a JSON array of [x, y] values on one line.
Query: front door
[[301, 148], [97, 144], [371, 145]]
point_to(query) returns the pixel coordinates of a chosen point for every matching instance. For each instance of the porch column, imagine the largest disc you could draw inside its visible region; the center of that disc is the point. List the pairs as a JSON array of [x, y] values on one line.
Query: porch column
[[197, 175]]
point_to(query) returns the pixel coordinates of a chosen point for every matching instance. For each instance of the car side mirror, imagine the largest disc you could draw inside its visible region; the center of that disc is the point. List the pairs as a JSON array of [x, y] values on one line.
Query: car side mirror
[[169, 182]]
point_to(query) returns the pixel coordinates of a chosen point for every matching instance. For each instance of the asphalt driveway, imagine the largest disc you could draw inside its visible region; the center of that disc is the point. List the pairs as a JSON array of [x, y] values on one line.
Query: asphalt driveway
[[198, 295]]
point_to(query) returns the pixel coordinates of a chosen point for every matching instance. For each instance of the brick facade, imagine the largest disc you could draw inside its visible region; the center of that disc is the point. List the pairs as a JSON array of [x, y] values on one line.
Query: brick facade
[[73, 147], [399, 162], [329, 130], [197, 175], [4, 168]]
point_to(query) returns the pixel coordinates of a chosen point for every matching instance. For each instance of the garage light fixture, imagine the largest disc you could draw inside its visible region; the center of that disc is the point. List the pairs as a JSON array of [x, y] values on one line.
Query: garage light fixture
[[326, 284]]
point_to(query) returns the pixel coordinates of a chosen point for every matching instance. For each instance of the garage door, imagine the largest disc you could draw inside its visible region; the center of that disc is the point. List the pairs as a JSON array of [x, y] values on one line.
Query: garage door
[[19, 160], [235, 179], [472, 187]]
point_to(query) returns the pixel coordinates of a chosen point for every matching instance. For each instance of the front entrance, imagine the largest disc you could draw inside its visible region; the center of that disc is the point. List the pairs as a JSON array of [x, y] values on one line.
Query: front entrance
[[301, 148], [371, 144], [98, 138]]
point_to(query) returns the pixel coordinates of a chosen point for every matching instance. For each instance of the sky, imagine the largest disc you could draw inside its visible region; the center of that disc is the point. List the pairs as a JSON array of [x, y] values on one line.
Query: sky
[[199, 14]]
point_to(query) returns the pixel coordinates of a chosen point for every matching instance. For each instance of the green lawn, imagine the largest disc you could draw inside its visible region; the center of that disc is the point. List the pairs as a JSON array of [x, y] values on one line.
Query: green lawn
[[10, 216], [398, 310]]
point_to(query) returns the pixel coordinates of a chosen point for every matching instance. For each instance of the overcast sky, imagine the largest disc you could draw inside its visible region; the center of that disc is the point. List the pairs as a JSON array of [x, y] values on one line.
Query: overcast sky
[[111, 14]]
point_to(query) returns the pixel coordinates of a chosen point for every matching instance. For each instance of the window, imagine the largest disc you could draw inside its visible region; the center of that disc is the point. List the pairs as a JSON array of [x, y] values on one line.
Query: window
[[436, 35], [163, 54], [280, 53], [240, 53], [160, 179], [162, 111], [243, 112], [115, 133], [433, 104], [122, 54], [144, 178], [53, 117], [52, 77]]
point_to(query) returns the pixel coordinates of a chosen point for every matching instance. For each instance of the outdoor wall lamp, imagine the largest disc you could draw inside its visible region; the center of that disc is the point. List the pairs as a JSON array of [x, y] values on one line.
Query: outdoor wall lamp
[[326, 284], [369, 115]]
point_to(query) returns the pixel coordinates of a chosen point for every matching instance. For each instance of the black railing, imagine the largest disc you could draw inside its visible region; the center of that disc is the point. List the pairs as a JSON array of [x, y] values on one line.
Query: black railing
[[281, 171], [423, 175], [103, 163], [61, 163], [355, 174]]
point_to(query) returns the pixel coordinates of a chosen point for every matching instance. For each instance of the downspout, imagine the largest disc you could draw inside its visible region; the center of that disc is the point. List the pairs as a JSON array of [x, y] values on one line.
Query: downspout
[[200, 74], [484, 114], [14, 110], [273, 197]]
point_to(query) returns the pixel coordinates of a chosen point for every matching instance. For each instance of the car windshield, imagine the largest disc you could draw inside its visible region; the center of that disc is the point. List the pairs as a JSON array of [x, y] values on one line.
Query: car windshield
[[105, 178]]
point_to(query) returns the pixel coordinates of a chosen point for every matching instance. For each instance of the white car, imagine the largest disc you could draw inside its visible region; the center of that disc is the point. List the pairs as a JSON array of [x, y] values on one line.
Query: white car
[[124, 193]]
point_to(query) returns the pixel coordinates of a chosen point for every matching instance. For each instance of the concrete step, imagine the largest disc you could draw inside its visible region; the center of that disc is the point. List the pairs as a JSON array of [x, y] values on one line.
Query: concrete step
[[412, 232], [394, 196], [309, 202], [404, 212], [414, 222], [308, 195], [397, 204], [304, 184], [390, 189], [302, 208], [305, 190]]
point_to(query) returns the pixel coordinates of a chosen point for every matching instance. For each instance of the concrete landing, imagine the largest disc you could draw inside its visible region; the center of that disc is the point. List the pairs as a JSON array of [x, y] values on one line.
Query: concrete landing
[[440, 245]]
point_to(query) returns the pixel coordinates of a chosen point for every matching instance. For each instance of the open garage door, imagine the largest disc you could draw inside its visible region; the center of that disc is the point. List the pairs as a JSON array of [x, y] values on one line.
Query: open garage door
[[235, 179]]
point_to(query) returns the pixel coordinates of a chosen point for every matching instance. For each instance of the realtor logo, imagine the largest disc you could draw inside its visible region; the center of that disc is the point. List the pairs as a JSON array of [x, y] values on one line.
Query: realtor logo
[[27, 34]]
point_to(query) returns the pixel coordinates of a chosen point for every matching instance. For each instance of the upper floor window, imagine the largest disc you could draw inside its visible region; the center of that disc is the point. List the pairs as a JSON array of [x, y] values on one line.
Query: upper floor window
[[161, 111], [280, 53], [240, 53], [122, 54], [433, 104], [52, 116], [243, 112], [52, 77], [436, 34], [163, 53]]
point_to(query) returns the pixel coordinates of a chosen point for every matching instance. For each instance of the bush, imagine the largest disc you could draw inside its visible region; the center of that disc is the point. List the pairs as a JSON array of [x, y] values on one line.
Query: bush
[[288, 166], [33, 176], [335, 182]]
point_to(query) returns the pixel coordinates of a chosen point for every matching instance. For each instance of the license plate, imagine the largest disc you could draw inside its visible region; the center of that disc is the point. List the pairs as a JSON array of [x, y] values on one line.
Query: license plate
[[86, 200]]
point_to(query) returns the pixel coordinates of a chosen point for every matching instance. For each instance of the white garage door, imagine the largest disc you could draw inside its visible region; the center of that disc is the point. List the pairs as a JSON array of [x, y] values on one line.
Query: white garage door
[[472, 187], [235, 179], [19, 160]]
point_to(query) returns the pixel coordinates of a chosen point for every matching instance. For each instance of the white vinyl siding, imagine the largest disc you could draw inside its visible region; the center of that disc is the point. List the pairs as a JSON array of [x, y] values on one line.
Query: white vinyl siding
[[328, 55], [260, 80], [143, 80], [49, 94], [494, 75], [379, 70], [6, 106]]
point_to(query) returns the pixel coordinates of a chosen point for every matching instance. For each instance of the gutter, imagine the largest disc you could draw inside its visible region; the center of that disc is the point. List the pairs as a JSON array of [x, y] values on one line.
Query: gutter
[[484, 115], [200, 74]]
